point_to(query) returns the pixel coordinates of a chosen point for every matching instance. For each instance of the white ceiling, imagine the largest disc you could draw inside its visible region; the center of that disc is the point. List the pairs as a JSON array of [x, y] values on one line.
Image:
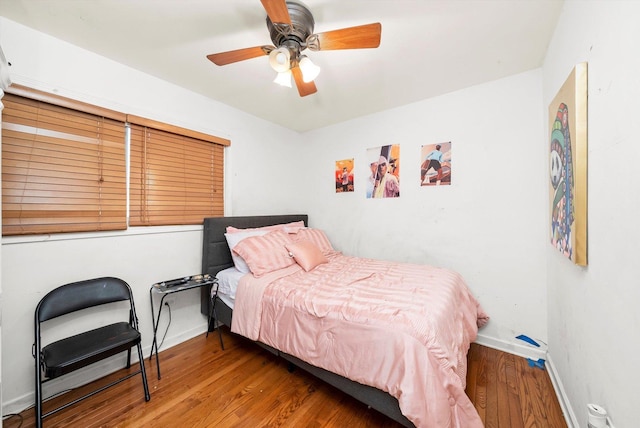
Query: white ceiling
[[428, 48]]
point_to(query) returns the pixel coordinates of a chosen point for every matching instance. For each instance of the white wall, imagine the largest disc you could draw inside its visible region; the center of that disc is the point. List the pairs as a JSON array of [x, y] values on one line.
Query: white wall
[[489, 224], [594, 326], [32, 266]]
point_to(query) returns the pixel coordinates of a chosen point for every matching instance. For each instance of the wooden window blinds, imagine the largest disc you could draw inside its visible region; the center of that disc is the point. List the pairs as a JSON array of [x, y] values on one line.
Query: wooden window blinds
[[63, 170], [175, 178]]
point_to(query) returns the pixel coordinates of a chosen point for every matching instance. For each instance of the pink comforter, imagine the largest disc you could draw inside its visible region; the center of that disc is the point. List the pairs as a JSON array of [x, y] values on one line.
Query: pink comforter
[[402, 328]]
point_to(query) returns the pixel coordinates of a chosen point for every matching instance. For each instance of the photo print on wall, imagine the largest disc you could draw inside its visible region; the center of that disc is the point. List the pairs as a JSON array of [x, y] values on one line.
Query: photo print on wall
[[344, 175], [435, 169], [384, 167]]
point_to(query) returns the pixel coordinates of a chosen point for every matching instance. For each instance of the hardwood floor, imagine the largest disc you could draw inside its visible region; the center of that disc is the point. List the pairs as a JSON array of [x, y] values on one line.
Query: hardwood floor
[[245, 386]]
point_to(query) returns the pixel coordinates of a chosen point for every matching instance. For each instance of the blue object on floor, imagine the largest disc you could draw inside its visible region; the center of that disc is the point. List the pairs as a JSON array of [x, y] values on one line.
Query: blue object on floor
[[539, 364], [528, 340]]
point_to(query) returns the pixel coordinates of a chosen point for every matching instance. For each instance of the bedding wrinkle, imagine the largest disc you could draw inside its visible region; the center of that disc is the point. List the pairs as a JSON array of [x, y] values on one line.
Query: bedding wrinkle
[[402, 328]]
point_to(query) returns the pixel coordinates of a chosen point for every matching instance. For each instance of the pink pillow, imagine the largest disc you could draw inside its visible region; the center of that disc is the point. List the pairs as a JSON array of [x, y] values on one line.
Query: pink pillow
[[306, 254], [233, 239], [317, 236], [292, 227], [264, 254]]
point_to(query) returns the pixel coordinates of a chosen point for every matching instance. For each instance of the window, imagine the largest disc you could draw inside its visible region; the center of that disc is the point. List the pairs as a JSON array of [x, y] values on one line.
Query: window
[[177, 175], [63, 170]]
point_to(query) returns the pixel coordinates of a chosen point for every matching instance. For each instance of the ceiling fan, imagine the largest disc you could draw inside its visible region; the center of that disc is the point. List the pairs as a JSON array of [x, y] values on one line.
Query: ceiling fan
[[290, 26]]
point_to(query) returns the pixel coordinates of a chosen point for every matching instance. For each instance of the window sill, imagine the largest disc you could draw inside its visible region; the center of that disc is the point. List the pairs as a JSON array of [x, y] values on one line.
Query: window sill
[[131, 231]]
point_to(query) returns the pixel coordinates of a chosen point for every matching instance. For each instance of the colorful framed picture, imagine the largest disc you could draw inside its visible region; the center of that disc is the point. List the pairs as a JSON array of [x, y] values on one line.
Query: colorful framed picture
[[344, 176], [568, 167], [435, 169], [384, 167]]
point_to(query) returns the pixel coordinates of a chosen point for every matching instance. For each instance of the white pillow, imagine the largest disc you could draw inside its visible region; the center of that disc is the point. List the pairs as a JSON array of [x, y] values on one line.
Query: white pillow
[[228, 281], [292, 227], [233, 239]]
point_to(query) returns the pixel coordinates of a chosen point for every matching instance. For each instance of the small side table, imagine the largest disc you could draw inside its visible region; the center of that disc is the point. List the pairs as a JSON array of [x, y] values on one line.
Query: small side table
[[166, 288]]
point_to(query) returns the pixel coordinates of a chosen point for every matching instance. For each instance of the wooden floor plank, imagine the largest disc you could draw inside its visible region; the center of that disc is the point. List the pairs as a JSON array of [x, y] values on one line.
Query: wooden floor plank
[[511, 386], [245, 386]]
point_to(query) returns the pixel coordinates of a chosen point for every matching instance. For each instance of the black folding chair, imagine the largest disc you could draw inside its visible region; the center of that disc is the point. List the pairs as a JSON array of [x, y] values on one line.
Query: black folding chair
[[72, 353]]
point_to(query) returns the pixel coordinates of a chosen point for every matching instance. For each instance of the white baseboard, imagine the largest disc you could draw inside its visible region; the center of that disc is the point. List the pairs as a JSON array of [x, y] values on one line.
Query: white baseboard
[[535, 353], [94, 372], [72, 380], [565, 405], [522, 350]]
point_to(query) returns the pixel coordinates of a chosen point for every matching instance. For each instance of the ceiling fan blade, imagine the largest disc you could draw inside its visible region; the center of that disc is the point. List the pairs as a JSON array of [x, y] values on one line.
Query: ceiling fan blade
[[277, 11], [360, 37], [224, 58], [304, 88]]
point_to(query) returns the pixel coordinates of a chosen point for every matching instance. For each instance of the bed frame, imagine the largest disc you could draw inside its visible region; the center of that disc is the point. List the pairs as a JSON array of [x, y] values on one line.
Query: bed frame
[[216, 256]]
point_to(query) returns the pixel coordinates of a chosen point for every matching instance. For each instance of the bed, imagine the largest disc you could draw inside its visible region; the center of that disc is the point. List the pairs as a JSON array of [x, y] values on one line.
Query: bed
[[419, 361]]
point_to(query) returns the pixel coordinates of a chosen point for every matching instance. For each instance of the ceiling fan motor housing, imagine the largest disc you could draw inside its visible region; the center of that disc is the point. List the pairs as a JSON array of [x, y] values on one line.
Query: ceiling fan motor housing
[[294, 36]]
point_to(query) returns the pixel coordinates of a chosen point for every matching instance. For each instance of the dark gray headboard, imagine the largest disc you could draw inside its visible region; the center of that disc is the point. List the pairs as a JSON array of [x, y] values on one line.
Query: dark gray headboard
[[215, 251]]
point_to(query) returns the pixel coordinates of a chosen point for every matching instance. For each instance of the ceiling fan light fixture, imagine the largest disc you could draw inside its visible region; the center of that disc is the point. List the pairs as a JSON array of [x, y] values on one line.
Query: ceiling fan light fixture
[[283, 78], [280, 59], [309, 70]]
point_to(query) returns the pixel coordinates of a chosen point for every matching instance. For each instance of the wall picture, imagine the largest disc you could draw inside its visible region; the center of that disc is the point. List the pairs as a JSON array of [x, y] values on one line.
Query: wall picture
[[568, 167], [384, 172], [435, 169], [344, 176]]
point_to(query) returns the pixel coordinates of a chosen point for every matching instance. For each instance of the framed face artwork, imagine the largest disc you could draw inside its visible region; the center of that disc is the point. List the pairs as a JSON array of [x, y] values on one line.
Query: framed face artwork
[[568, 167], [384, 172]]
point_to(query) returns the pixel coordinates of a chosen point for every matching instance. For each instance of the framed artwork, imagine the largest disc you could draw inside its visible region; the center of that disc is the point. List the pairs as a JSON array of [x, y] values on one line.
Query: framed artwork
[[384, 167], [344, 176], [435, 169], [568, 167]]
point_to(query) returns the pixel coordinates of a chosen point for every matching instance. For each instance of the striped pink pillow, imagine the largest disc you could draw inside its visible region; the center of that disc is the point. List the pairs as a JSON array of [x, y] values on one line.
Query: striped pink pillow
[[266, 253], [317, 236]]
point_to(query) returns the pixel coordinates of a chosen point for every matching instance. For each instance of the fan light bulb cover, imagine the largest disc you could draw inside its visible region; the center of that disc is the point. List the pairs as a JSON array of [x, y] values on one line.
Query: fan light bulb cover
[[279, 59], [309, 70], [283, 78]]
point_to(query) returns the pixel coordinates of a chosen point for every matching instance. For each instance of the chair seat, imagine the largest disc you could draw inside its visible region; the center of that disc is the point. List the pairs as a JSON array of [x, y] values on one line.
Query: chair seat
[[72, 353]]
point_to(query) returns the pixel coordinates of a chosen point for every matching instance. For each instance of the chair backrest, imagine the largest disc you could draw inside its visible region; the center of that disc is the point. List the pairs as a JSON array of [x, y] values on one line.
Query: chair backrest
[[81, 295]]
